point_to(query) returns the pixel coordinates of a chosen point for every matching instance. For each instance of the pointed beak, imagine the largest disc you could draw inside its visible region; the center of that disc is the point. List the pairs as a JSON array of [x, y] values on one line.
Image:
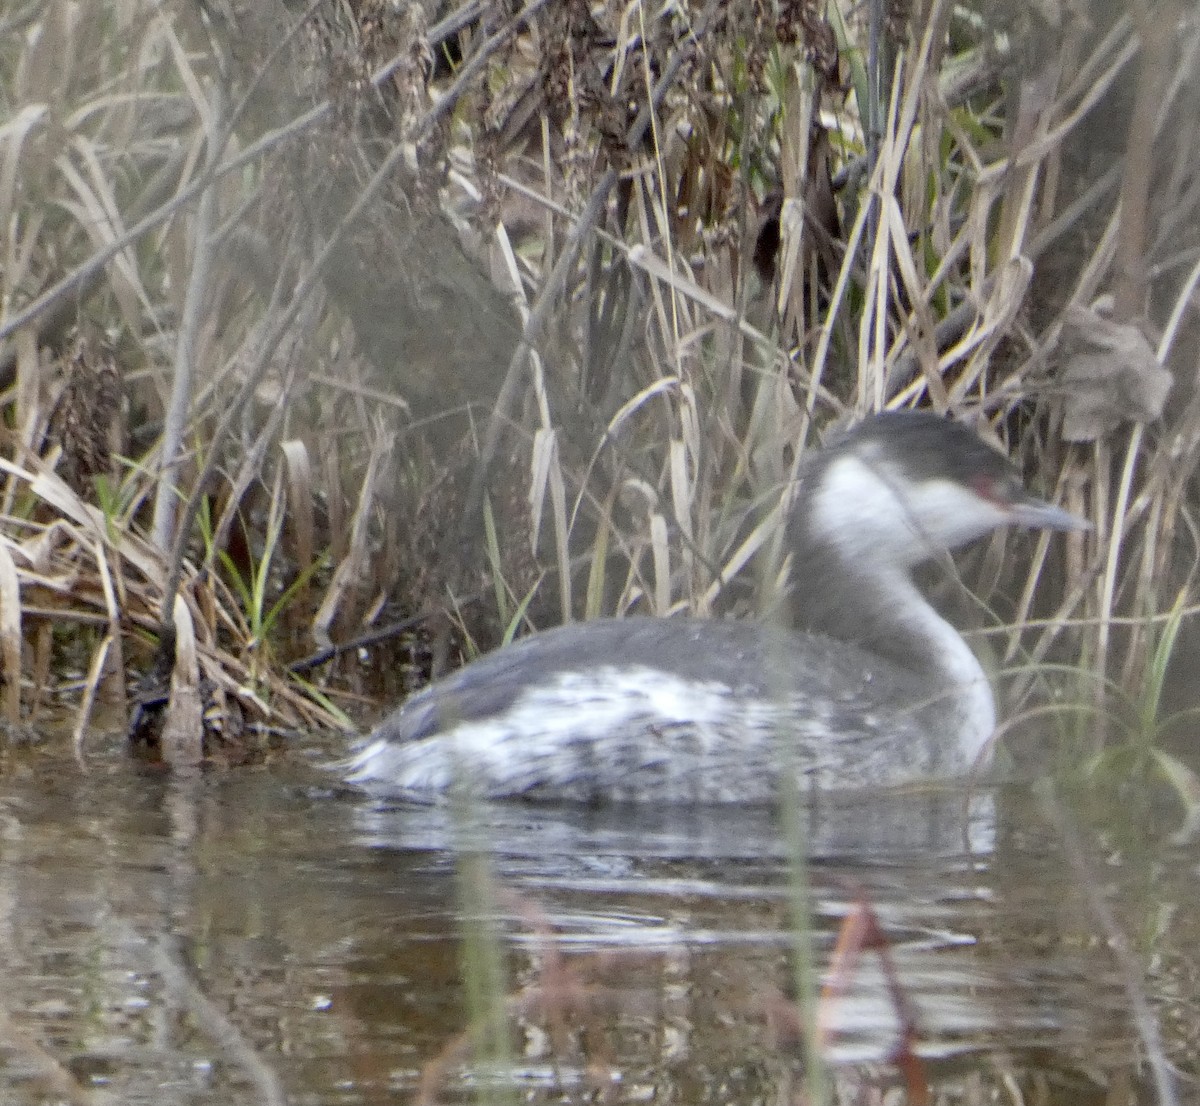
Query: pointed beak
[[1037, 514]]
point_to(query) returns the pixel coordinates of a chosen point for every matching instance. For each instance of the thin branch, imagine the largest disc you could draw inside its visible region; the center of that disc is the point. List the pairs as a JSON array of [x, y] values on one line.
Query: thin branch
[[213, 1021], [195, 297]]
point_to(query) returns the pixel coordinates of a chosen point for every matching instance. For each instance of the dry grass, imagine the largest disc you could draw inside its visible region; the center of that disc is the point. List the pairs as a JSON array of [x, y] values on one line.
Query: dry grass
[[530, 318]]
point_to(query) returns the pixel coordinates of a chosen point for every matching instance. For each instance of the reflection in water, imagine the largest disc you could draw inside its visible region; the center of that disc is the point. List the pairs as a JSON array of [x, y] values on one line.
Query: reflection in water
[[870, 826], [235, 939]]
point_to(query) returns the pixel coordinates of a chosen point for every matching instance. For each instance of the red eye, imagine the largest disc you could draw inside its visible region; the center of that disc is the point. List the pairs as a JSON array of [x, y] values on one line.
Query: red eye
[[1002, 492], [984, 486]]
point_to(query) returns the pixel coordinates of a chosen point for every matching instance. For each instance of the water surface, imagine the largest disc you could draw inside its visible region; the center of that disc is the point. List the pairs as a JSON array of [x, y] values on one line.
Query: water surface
[[254, 935]]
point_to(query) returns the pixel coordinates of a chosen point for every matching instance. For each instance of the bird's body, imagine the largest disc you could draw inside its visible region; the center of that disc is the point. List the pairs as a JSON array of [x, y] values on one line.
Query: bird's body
[[877, 689]]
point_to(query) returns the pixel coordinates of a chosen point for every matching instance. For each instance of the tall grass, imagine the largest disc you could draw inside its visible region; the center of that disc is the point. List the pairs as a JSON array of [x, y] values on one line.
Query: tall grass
[[608, 273]]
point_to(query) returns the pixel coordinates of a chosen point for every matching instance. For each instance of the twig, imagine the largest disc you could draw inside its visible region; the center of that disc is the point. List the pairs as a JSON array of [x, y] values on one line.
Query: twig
[[213, 1021], [195, 296], [454, 22], [859, 933], [374, 637]]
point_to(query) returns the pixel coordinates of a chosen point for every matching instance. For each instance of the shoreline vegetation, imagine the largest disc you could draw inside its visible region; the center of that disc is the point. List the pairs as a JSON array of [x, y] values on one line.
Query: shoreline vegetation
[[341, 341]]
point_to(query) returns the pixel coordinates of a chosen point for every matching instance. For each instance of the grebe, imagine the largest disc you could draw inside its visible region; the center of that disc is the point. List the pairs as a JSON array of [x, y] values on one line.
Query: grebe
[[878, 689]]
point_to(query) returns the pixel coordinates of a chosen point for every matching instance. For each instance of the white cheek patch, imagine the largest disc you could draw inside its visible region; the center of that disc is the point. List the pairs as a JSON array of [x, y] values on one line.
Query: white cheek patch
[[871, 515], [952, 514]]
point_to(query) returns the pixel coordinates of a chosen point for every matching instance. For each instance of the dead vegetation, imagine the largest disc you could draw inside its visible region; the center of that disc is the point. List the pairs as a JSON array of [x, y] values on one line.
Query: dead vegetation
[[322, 318], [579, 1003]]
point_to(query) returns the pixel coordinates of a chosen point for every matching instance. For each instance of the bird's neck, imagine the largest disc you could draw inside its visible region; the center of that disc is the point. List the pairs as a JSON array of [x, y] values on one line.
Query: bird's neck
[[877, 607]]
